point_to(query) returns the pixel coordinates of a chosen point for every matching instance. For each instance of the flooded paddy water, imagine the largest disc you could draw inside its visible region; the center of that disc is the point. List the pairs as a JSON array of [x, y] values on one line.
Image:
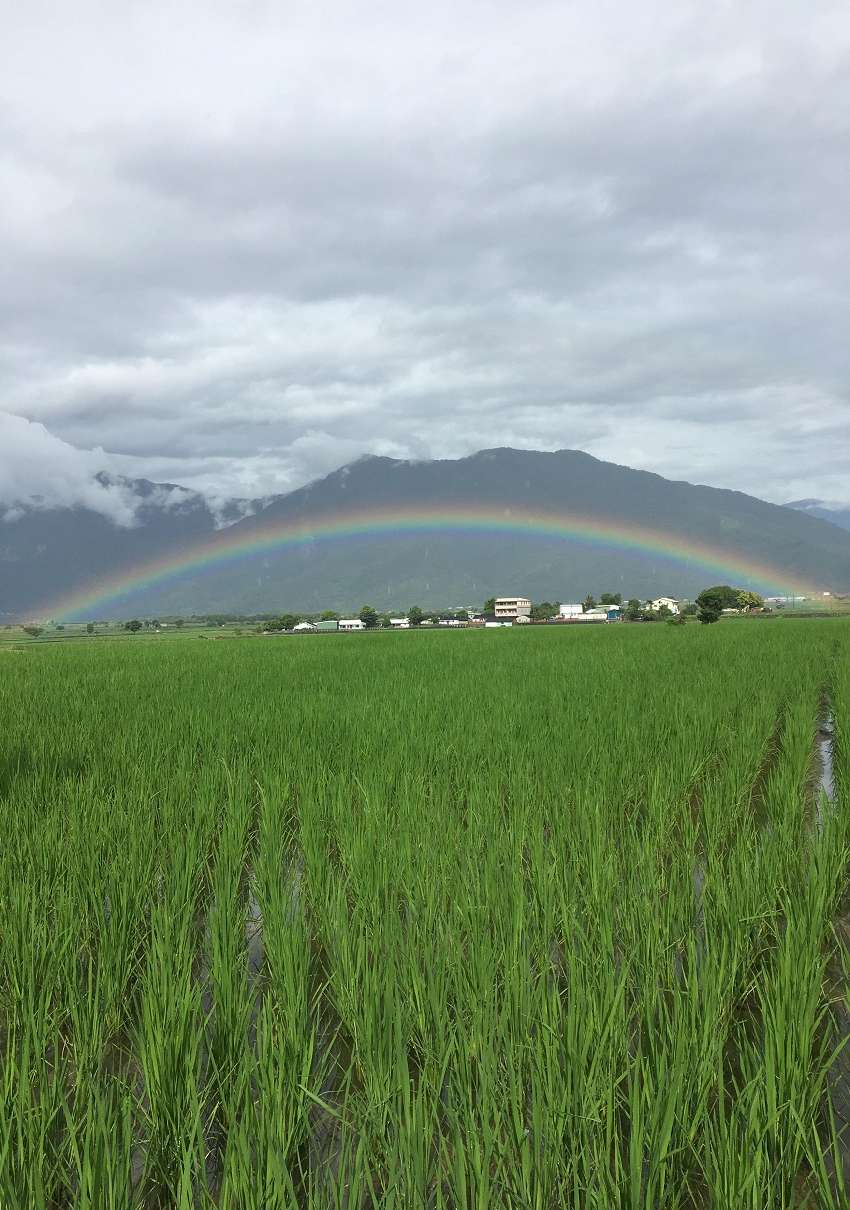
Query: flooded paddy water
[[826, 754]]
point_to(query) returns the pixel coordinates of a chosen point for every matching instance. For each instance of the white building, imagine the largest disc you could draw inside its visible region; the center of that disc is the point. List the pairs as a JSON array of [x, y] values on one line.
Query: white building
[[351, 624], [304, 626], [512, 607], [570, 611], [659, 602], [498, 625], [400, 623], [602, 613]]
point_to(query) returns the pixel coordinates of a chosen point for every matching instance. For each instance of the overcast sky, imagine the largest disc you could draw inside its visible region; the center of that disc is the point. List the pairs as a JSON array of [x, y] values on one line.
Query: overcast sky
[[242, 243]]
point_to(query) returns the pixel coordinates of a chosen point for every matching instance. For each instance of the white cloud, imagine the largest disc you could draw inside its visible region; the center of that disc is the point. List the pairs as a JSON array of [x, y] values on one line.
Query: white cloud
[[40, 471], [251, 241], [37, 470]]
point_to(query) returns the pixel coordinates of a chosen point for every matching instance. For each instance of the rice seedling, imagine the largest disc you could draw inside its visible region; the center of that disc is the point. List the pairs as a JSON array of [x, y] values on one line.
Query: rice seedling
[[551, 920]]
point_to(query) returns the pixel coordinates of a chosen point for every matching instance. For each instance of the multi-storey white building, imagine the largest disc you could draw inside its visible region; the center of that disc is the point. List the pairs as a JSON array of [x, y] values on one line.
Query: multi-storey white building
[[512, 607]]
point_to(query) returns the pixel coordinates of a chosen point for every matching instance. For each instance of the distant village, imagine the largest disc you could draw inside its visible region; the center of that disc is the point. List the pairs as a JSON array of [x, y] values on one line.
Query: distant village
[[503, 611], [520, 611]]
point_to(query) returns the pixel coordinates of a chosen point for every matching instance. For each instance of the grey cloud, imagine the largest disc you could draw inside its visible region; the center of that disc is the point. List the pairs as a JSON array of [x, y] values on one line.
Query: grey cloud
[[611, 226]]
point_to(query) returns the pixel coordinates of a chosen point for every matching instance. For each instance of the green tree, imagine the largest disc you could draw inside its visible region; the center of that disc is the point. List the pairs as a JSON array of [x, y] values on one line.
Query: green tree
[[543, 611], [633, 610], [89, 627], [369, 616], [489, 605], [748, 600], [711, 602], [415, 615], [720, 596], [133, 626], [588, 603], [179, 623], [33, 631], [611, 598], [664, 611], [330, 615], [286, 621]]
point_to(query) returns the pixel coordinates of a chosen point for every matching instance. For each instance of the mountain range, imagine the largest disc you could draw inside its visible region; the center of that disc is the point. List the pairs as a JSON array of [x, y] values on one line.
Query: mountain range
[[627, 520]]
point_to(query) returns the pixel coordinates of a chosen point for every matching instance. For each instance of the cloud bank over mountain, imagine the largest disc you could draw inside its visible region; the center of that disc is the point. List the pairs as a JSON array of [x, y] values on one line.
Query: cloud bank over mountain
[[39, 471]]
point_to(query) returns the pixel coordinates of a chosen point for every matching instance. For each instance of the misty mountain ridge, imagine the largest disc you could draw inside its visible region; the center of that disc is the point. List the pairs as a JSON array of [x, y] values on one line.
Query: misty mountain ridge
[[46, 554], [817, 508], [172, 497], [142, 499]]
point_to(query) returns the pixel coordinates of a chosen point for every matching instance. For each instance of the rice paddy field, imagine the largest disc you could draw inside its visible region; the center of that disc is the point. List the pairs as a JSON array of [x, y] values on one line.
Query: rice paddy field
[[540, 918]]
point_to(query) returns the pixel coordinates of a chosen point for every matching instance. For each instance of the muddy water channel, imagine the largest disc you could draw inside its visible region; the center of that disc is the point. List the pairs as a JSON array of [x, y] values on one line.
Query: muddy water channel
[[837, 1153], [826, 757]]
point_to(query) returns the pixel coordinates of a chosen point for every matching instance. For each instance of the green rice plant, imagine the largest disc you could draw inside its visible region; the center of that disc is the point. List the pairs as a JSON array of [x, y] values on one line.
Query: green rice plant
[[550, 920], [228, 1056], [167, 1039]]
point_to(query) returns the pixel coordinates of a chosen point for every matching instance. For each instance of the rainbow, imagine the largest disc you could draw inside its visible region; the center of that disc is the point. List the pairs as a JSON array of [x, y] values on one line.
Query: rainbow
[[227, 547]]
